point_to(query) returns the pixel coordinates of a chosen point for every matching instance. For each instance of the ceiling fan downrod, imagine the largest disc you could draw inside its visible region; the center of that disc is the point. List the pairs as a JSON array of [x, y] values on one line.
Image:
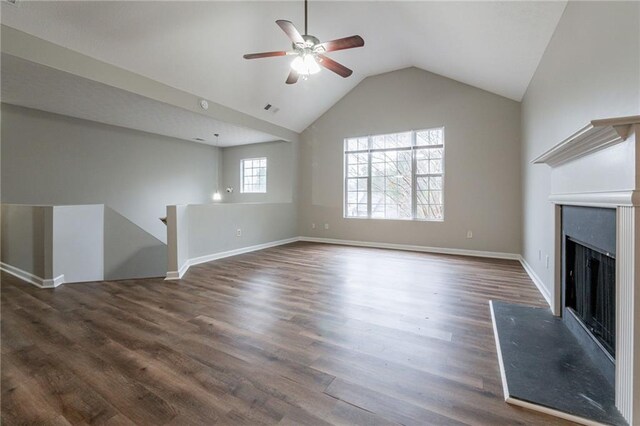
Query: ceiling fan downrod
[[306, 31]]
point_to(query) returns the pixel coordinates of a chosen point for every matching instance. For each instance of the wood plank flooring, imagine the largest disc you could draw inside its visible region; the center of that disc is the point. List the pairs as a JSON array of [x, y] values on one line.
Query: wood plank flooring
[[298, 334]]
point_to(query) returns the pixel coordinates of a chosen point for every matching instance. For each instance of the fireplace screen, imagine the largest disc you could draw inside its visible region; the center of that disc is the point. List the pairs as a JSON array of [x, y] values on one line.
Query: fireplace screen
[[591, 291]]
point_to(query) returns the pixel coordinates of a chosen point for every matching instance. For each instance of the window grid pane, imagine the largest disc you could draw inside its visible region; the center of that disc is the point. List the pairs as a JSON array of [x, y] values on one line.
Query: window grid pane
[[391, 184], [254, 175], [395, 176]]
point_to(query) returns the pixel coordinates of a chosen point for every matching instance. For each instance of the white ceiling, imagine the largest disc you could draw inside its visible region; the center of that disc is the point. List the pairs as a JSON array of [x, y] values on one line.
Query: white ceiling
[[198, 46], [35, 86]]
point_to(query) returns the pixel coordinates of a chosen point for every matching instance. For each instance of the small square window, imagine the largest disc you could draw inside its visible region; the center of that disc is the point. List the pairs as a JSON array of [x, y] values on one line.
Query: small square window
[[253, 175]]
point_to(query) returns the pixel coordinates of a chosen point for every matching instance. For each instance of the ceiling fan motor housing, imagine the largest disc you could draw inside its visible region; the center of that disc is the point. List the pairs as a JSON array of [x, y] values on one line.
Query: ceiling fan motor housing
[[309, 42]]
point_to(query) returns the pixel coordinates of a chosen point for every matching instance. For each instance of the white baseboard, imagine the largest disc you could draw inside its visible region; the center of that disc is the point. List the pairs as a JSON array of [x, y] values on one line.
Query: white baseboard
[[176, 275], [30, 278], [407, 247], [537, 281]]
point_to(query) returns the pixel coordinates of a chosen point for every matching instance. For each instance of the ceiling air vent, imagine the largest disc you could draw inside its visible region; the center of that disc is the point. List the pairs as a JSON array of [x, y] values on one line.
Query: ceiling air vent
[[271, 108], [11, 2], [198, 139]]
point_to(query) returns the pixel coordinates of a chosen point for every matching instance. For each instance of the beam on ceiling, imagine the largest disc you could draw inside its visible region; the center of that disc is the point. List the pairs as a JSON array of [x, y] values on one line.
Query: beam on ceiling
[[34, 49]]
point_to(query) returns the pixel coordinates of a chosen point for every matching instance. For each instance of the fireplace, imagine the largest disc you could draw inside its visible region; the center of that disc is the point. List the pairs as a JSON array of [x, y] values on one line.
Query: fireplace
[[589, 281], [595, 190]]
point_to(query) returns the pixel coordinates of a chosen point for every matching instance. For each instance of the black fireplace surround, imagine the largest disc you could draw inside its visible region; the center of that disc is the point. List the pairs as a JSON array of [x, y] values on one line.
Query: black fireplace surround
[[589, 281]]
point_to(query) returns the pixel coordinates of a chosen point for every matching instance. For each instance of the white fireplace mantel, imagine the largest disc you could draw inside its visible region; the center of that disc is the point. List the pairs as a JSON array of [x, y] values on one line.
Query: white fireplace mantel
[[595, 136], [606, 199]]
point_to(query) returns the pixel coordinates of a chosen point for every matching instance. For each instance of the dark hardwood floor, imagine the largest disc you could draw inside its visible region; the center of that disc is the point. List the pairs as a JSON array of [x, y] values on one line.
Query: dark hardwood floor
[[298, 334]]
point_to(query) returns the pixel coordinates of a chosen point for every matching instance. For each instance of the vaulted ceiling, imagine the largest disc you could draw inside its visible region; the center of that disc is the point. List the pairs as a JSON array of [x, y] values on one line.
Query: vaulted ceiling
[[198, 46]]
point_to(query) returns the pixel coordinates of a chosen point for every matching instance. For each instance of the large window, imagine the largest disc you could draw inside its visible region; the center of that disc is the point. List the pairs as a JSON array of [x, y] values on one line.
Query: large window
[[395, 176], [253, 175]]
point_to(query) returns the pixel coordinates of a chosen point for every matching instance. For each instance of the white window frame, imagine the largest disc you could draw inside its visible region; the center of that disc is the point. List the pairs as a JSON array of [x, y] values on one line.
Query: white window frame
[[266, 168], [414, 174]]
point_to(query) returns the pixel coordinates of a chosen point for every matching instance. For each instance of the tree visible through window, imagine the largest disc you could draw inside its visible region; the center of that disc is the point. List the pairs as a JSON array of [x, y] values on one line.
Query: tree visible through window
[[395, 176], [253, 175]]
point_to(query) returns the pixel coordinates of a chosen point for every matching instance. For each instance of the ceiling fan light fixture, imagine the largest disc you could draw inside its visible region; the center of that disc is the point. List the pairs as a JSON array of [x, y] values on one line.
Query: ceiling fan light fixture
[[305, 65], [309, 51]]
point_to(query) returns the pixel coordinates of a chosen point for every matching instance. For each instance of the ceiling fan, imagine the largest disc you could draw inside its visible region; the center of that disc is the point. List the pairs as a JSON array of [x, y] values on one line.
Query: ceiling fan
[[309, 52]]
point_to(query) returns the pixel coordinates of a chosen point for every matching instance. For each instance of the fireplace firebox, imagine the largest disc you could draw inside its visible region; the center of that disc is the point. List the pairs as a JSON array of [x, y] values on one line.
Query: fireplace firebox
[[589, 281], [591, 291]]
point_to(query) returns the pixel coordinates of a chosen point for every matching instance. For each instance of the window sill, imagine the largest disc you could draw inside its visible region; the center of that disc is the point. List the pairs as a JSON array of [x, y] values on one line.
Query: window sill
[[393, 220]]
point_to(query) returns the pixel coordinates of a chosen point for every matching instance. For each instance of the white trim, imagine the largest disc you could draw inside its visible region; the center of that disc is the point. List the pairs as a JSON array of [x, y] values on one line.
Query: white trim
[[176, 275], [32, 279], [55, 282], [595, 136], [503, 376], [235, 252], [407, 247], [525, 404], [552, 412], [627, 380], [598, 199], [537, 281], [266, 164]]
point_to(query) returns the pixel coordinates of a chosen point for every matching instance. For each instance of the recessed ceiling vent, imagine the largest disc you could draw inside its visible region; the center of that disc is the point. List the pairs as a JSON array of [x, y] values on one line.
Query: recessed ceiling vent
[[198, 139], [271, 108]]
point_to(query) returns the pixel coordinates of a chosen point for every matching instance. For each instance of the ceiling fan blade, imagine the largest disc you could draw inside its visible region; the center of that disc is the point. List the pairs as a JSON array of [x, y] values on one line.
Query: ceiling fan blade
[[340, 44], [293, 77], [334, 66], [291, 31], [264, 55]]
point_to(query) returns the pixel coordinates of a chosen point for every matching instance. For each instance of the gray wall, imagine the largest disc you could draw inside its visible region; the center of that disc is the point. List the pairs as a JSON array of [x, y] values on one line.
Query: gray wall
[[482, 180], [590, 70], [212, 227], [281, 171], [199, 233], [78, 242], [24, 238], [53, 159], [130, 252]]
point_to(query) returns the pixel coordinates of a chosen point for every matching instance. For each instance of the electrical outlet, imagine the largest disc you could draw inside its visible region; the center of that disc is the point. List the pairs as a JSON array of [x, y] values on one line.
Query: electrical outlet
[[313, 226], [469, 234], [238, 232], [326, 226], [547, 261]]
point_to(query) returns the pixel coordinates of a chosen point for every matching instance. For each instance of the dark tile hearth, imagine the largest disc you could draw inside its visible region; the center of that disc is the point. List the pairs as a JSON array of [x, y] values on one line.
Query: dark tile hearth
[[545, 365]]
